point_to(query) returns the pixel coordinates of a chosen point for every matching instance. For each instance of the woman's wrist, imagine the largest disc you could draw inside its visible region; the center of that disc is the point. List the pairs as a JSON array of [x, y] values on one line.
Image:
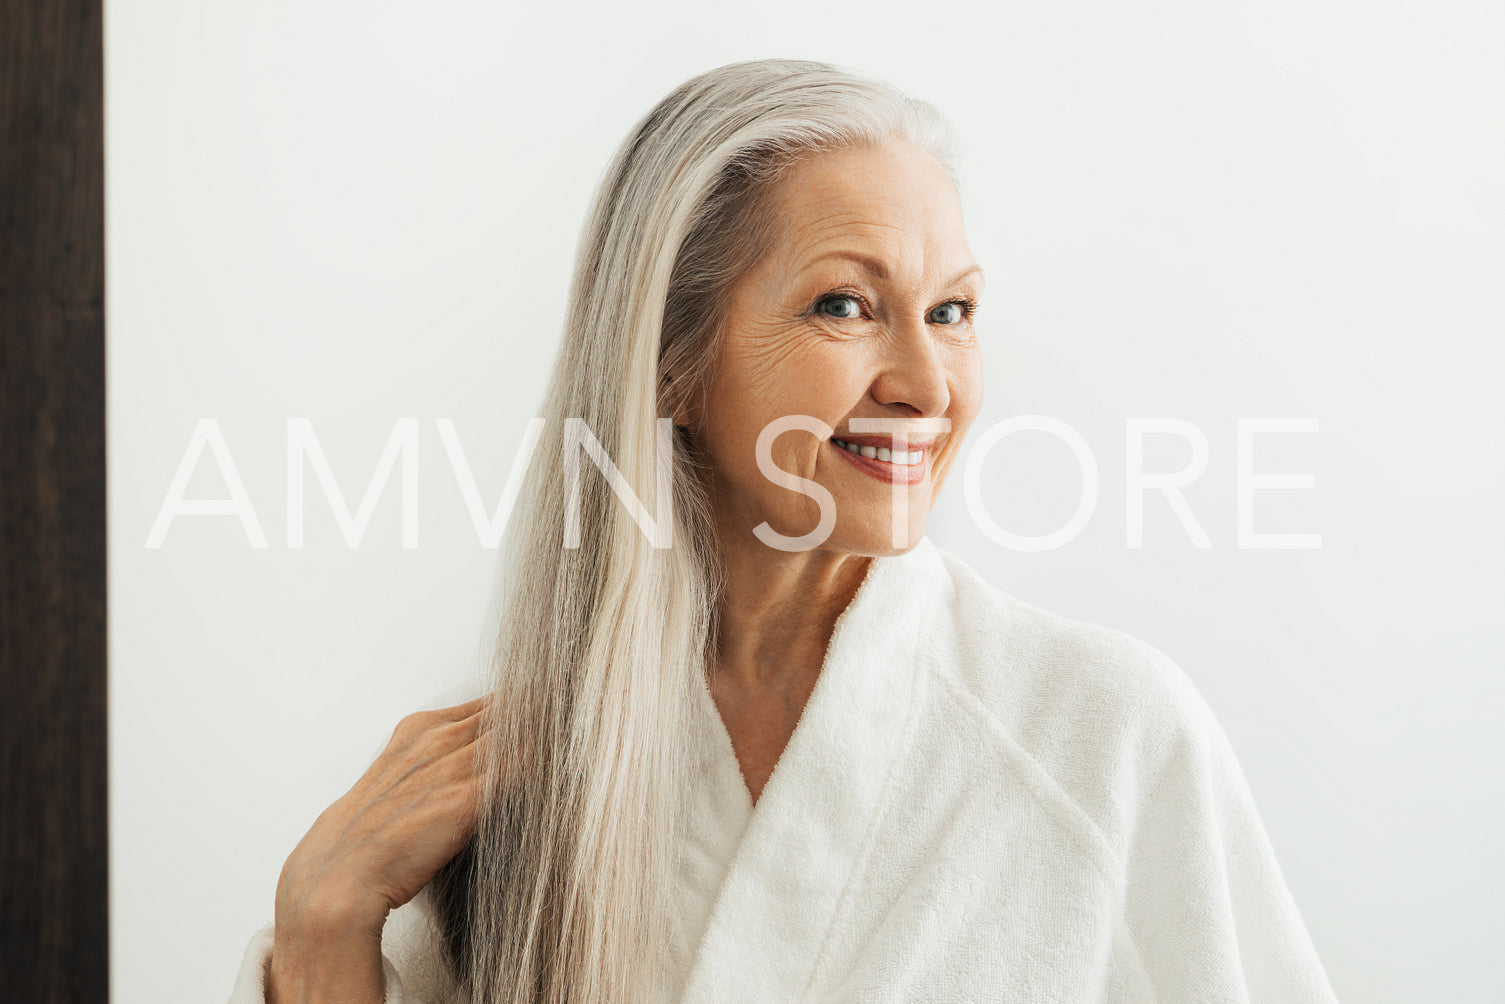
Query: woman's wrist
[[335, 966], [326, 947], [327, 910]]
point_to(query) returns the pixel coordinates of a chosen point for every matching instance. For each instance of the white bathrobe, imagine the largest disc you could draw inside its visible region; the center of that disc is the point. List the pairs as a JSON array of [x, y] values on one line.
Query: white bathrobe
[[982, 801]]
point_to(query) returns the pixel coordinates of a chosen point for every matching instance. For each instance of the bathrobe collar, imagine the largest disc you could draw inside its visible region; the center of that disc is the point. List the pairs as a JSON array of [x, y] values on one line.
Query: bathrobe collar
[[819, 810]]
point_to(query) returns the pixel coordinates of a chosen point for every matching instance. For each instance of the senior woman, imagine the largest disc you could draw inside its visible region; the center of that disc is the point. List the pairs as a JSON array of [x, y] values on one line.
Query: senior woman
[[769, 742]]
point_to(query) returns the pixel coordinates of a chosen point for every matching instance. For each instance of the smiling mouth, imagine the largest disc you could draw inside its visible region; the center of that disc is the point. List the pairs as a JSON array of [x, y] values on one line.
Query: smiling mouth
[[882, 463], [911, 458]]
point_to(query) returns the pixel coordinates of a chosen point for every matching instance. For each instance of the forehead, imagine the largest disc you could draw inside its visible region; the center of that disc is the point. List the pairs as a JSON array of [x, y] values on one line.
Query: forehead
[[894, 201]]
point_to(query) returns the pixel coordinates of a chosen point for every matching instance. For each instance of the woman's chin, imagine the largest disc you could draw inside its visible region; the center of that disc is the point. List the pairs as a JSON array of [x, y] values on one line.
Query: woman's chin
[[877, 541]]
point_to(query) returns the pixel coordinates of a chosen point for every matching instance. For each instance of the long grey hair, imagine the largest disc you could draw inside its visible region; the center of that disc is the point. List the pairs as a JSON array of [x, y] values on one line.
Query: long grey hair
[[566, 892]]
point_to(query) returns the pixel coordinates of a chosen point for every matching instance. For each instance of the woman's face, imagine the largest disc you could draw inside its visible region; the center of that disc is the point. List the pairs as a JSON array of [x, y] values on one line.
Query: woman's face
[[862, 309]]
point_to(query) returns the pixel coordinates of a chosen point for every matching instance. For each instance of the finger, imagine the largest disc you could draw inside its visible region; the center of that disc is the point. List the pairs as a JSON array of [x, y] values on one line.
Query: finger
[[466, 710], [460, 733]]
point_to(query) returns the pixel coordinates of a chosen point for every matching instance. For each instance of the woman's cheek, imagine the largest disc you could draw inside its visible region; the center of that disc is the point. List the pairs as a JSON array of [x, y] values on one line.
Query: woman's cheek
[[966, 402], [967, 388]]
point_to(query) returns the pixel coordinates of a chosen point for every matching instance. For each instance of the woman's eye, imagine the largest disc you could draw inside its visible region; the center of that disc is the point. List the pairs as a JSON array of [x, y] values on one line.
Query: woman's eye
[[841, 306], [948, 313]]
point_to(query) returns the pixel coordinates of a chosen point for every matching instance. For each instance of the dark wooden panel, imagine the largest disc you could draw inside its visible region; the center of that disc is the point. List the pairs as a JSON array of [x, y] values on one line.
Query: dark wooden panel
[[54, 850]]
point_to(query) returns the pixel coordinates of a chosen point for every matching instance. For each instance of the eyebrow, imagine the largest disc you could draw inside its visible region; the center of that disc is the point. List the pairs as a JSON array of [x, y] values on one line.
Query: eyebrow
[[876, 267]]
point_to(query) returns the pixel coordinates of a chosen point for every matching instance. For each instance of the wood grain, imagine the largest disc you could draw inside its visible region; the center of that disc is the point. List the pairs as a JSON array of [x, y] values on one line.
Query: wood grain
[[54, 849]]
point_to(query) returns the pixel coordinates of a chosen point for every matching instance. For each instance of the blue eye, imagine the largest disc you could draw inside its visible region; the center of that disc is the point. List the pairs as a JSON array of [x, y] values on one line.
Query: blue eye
[[853, 308], [950, 313]]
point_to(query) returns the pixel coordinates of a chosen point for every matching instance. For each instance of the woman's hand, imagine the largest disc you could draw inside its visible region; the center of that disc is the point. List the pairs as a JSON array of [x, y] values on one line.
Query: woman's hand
[[374, 850]]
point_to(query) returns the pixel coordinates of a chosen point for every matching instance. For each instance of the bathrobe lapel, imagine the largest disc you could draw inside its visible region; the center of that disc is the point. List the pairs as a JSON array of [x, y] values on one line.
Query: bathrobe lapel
[[820, 811]]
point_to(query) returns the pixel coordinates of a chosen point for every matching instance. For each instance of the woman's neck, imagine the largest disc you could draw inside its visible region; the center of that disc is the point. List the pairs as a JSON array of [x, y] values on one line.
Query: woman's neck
[[777, 614], [778, 610]]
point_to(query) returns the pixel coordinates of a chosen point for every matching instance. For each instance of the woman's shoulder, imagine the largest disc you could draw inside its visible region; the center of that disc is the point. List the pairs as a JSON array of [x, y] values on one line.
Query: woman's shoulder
[[1018, 656], [1101, 711]]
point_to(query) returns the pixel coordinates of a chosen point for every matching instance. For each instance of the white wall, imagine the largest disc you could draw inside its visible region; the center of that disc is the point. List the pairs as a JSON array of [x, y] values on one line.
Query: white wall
[[362, 212]]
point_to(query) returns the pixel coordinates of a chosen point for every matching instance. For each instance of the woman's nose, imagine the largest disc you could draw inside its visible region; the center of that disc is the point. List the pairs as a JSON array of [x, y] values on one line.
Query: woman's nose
[[912, 371]]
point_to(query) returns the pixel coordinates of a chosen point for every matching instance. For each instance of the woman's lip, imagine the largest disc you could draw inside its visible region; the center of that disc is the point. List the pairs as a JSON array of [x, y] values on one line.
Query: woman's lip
[[886, 441], [882, 470]]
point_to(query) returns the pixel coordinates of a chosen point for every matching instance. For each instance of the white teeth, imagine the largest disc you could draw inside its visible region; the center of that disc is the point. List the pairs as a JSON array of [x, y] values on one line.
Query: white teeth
[[902, 458]]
